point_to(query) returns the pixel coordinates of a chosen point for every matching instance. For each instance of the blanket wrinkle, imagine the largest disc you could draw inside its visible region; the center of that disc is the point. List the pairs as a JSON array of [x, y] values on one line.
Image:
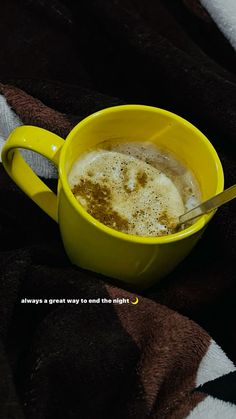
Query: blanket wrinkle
[[204, 31], [34, 111], [224, 14]]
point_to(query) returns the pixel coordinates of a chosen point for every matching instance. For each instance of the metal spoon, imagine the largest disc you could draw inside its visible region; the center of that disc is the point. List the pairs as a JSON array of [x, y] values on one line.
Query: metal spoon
[[209, 205]]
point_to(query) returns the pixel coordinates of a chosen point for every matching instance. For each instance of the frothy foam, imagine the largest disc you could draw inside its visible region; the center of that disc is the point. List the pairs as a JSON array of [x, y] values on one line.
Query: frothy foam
[[133, 188], [165, 162]]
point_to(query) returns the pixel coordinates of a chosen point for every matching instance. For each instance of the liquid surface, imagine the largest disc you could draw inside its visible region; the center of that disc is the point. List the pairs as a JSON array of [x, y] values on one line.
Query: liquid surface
[[133, 187]]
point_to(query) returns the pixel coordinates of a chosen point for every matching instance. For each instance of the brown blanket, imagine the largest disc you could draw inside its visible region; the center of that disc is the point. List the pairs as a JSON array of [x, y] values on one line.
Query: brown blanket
[[171, 355]]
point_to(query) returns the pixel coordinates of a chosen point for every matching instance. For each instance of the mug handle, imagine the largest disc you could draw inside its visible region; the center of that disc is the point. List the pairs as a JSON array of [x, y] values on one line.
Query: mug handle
[[43, 142]]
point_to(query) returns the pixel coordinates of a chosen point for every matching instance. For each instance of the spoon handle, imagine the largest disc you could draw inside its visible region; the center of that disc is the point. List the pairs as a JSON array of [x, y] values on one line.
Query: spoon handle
[[209, 205]]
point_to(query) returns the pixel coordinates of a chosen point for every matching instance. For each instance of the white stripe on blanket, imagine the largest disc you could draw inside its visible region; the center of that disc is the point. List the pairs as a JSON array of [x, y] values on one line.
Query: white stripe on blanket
[[214, 364], [223, 12], [211, 408], [10, 120]]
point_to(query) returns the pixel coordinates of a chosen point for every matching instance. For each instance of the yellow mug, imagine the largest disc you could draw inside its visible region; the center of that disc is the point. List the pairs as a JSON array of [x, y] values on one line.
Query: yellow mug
[[137, 261]]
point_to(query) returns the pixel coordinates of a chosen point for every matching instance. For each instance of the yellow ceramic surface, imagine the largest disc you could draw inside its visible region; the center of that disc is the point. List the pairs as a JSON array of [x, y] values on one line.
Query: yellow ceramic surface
[[140, 261]]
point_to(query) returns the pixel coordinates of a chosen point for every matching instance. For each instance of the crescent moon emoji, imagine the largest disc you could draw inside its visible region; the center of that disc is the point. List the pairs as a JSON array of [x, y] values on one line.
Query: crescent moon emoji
[[136, 301]]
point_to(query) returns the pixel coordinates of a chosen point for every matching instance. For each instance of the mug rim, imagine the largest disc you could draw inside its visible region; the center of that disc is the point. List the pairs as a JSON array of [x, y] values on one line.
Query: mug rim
[[194, 228]]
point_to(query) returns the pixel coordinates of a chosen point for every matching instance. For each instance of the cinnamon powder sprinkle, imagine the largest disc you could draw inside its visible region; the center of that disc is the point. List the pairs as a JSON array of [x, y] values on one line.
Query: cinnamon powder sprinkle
[[142, 178], [98, 199], [140, 181], [165, 219]]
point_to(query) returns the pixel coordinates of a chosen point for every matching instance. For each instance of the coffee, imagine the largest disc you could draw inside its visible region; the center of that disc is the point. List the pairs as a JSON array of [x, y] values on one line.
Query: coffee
[[134, 187]]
